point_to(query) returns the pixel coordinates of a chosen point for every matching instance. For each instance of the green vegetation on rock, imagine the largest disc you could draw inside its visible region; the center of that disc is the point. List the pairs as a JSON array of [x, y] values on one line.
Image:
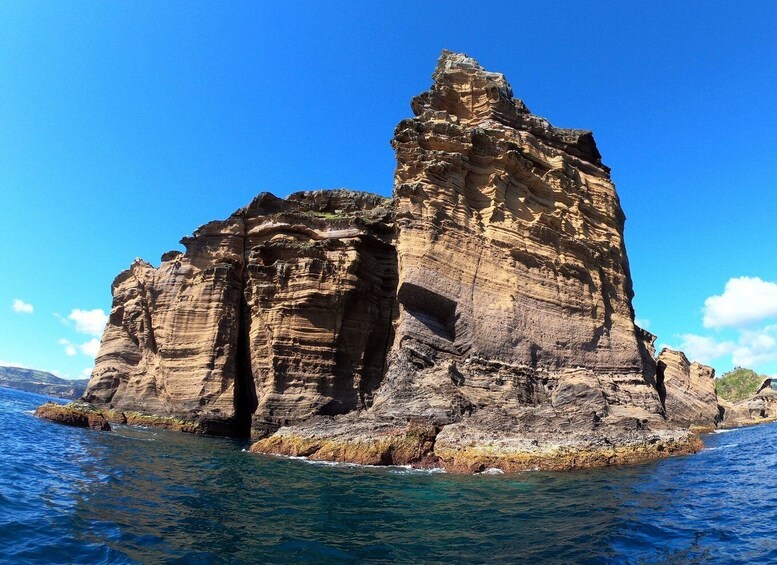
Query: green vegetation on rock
[[738, 384]]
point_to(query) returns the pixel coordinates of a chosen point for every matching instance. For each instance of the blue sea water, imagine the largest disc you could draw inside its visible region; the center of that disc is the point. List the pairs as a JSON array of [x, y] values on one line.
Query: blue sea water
[[140, 495]]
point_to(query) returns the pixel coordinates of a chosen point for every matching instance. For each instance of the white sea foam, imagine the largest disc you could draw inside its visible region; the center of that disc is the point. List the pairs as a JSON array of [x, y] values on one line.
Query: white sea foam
[[394, 469], [491, 471], [408, 470]]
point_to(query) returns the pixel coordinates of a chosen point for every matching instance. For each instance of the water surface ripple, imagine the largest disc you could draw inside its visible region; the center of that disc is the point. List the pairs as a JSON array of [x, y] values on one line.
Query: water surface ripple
[[142, 495]]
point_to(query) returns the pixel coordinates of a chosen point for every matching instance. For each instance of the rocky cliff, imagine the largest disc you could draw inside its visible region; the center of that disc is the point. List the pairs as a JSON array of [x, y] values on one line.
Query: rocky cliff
[[688, 391], [278, 313], [480, 318]]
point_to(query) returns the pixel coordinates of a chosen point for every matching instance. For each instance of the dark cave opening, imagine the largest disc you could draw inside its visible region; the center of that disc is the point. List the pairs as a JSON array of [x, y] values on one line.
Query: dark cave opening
[[246, 401]]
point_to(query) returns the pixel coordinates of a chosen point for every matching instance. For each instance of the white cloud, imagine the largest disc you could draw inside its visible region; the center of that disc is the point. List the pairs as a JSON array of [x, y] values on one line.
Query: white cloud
[[745, 300], [91, 322], [704, 349], [752, 348], [86, 373], [70, 349], [12, 364], [756, 347], [90, 348], [21, 307], [643, 323]]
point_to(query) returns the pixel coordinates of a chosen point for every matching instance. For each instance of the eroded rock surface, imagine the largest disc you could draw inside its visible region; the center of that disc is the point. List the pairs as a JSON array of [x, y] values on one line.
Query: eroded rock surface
[[515, 331], [84, 416], [278, 313], [481, 317], [688, 391]]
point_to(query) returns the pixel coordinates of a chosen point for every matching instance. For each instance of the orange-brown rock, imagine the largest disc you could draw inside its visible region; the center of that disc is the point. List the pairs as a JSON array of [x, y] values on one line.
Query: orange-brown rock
[[481, 317], [380, 444], [514, 288], [464, 453], [278, 313], [515, 334], [688, 391]]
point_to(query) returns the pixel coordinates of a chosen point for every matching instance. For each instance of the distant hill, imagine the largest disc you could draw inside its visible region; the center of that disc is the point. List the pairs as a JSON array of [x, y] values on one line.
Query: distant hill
[[41, 382], [738, 384]]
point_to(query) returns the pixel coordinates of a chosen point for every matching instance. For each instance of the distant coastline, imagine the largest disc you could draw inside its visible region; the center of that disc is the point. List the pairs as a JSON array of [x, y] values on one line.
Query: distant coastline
[[41, 382]]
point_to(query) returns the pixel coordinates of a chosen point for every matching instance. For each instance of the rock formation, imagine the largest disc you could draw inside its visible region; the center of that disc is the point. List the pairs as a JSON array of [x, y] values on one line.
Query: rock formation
[[759, 408], [281, 312], [515, 325], [480, 318], [76, 415], [688, 391]]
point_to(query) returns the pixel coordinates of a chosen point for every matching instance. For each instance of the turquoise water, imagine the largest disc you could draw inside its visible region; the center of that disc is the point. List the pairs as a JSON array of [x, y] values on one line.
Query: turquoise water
[[141, 495]]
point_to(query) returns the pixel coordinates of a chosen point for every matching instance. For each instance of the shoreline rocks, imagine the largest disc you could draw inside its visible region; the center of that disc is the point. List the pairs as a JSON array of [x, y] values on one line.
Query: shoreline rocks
[[70, 415]]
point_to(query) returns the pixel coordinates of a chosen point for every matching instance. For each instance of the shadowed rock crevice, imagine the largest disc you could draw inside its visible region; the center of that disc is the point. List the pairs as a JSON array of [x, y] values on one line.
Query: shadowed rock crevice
[[660, 384], [245, 389], [432, 309]]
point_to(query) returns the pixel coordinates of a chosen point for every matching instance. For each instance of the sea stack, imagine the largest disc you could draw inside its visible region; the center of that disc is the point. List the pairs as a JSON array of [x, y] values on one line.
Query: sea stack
[[480, 318]]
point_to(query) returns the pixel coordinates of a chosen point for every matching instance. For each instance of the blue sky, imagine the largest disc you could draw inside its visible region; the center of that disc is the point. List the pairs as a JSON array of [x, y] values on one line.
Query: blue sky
[[125, 125]]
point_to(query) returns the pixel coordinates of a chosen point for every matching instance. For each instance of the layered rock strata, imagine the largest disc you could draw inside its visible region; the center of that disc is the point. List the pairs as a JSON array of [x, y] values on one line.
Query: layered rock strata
[[688, 391], [278, 313], [481, 318]]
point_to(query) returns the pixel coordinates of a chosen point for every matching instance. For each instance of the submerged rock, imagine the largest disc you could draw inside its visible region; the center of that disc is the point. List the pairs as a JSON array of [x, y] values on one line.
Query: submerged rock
[[480, 319]]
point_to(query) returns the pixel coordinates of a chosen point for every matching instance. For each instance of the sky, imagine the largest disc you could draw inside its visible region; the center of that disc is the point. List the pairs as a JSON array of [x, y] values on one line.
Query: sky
[[126, 125]]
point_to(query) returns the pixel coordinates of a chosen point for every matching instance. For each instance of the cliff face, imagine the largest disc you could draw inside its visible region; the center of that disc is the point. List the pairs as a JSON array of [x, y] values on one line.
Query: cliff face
[[482, 317], [511, 258], [688, 390], [278, 313]]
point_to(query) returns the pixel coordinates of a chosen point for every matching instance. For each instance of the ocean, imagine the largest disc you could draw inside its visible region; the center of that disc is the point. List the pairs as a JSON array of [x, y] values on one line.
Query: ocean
[[138, 495]]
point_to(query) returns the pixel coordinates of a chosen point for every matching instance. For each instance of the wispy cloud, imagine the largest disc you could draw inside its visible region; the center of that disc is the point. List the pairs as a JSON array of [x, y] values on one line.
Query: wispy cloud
[[751, 349], [704, 349], [643, 323], [742, 314], [21, 307], [70, 348], [90, 348], [91, 322]]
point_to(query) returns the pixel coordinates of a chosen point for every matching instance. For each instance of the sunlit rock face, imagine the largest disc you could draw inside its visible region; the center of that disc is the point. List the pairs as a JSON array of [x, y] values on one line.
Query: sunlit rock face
[[481, 317], [514, 286], [688, 390], [278, 313]]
